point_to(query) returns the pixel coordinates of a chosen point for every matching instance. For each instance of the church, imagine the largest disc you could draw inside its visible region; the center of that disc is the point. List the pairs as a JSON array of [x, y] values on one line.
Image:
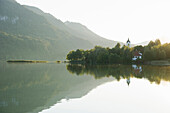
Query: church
[[128, 43], [136, 54]]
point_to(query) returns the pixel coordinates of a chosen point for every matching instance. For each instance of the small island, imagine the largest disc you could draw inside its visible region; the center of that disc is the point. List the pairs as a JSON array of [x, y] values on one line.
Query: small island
[[154, 53]]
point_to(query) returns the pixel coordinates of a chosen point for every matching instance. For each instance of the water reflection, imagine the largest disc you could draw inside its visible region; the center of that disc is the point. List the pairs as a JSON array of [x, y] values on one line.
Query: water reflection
[[151, 73], [35, 87]]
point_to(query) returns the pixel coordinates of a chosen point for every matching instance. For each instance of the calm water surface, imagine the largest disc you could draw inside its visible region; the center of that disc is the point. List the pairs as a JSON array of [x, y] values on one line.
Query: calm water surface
[[63, 88]]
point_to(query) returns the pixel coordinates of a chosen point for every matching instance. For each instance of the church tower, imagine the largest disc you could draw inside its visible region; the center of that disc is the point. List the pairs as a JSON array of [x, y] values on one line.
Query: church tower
[[128, 43]]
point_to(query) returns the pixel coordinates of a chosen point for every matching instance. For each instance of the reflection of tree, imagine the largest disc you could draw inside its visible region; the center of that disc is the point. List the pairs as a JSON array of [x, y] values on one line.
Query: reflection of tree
[[75, 69], [157, 73], [152, 73], [98, 71]]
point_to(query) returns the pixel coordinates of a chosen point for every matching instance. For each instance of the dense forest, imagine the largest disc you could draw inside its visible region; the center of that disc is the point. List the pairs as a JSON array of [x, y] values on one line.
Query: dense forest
[[100, 55]]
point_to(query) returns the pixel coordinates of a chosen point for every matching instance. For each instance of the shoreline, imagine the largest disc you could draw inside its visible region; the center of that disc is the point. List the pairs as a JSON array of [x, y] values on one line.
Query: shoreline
[[26, 61], [158, 63], [154, 63]]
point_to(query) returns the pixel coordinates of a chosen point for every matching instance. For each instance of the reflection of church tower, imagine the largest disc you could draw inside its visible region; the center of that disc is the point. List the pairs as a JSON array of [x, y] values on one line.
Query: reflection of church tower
[[128, 81], [128, 43]]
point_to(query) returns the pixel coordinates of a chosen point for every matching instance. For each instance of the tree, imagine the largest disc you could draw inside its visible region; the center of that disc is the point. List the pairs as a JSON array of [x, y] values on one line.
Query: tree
[[139, 48], [71, 55], [117, 49], [114, 58], [162, 55], [157, 42], [147, 54], [127, 55], [117, 46], [151, 44], [79, 54]]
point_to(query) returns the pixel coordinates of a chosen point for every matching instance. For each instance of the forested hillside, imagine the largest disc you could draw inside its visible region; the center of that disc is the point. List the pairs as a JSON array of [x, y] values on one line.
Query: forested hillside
[[29, 33]]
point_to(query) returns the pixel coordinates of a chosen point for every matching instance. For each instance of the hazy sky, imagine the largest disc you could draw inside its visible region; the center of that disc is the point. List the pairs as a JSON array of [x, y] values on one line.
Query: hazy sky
[[140, 20]]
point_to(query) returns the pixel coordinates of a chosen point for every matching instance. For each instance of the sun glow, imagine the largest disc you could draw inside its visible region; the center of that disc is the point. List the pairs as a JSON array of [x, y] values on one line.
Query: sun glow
[[116, 20]]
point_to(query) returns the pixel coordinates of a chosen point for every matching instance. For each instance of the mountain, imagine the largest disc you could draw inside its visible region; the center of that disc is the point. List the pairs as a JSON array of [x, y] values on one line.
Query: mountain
[[86, 34], [28, 33], [143, 43], [76, 29], [15, 19]]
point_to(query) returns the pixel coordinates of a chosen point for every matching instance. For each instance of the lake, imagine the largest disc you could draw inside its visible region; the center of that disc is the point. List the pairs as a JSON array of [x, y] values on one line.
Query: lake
[[66, 88]]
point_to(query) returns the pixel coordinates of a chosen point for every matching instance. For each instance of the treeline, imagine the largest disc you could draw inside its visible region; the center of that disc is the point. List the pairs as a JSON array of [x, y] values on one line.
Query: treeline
[[100, 55], [118, 54], [156, 51]]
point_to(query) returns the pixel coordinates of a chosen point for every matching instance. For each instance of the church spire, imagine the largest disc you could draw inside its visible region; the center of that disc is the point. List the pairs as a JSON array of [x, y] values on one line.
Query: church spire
[[128, 43]]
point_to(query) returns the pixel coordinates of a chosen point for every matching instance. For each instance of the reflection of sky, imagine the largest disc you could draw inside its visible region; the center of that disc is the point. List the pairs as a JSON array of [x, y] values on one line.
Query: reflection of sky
[[140, 97]]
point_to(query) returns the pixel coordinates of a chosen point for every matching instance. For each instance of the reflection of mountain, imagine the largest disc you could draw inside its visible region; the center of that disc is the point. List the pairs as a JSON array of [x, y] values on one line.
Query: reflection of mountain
[[34, 87], [152, 73]]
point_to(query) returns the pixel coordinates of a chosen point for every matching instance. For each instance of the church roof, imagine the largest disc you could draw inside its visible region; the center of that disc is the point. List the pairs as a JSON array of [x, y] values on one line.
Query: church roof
[[137, 53]]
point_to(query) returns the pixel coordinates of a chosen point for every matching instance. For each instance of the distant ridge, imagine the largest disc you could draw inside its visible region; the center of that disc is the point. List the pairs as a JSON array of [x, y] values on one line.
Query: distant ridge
[[86, 34], [27, 33], [76, 29], [143, 43]]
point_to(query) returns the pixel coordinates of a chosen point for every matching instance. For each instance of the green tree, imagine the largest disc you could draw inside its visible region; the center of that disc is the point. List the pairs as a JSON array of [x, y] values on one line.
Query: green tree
[[117, 46], [79, 54], [114, 58], [162, 54], [151, 44], [157, 42], [71, 55]]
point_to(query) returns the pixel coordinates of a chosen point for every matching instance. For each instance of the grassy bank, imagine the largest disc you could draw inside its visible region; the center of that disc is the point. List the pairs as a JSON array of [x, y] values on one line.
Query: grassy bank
[[26, 61], [159, 62]]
